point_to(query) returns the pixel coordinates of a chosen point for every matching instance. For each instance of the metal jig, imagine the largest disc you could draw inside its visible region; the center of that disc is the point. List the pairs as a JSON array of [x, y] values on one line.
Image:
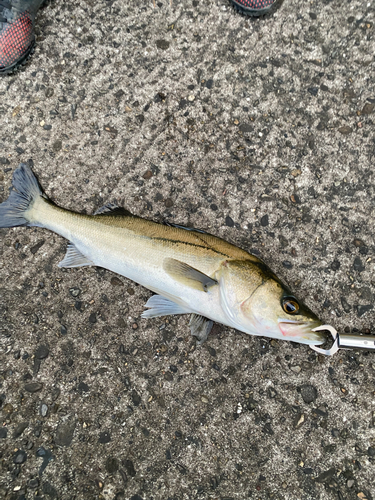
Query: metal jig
[[344, 340]]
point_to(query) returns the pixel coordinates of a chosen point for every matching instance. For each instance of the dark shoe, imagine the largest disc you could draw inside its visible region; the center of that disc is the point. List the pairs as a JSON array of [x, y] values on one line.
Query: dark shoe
[[253, 7], [17, 36]]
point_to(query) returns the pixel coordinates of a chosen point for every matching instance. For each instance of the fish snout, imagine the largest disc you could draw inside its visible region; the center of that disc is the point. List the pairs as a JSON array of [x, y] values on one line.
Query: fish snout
[[302, 332]]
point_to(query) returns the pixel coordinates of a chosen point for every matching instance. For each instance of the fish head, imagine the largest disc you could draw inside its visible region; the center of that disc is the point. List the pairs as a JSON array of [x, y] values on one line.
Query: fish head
[[274, 311], [260, 304]]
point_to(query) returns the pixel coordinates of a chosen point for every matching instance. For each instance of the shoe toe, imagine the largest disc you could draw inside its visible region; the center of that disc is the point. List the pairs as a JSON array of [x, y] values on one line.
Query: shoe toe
[[16, 41]]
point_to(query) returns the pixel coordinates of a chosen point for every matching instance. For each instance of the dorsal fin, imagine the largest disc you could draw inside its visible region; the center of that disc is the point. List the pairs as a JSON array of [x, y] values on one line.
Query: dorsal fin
[[112, 209], [178, 226]]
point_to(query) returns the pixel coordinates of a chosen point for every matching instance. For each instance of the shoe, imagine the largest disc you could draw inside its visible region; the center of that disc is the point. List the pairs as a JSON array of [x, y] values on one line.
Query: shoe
[[17, 36], [253, 8]]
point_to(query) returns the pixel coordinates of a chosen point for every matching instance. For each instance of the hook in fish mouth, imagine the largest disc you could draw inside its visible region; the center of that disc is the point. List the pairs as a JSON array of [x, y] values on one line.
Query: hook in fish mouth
[[302, 331], [335, 346]]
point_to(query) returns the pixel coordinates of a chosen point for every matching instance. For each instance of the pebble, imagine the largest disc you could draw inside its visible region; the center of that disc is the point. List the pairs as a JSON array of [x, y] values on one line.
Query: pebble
[[357, 265], [34, 387], [36, 247], [19, 457], [64, 433], [104, 437], [191, 98], [296, 172], [43, 410], [361, 310], [162, 44], [229, 221], [33, 483], [345, 130], [309, 393], [8, 409], [298, 420], [49, 490], [136, 398], [204, 399], [296, 369], [294, 198], [82, 387], [18, 430], [367, 109], [345, 305], [326, 475], [147, 175], [335, 265], [3, 432], [335, 433], [129, 467], [272, 393], [74, 292], [116, 281], [92, 318], [264, 221], [111, 465], [55, 393], [42, 352], [287, 264]]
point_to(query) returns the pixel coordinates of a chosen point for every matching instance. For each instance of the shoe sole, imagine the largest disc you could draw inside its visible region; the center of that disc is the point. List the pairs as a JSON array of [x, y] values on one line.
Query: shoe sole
[[251, 12], [21, 62]]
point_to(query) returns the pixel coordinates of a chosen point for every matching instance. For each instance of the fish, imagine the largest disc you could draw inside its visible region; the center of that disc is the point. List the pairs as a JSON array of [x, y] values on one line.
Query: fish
[[189, 271]]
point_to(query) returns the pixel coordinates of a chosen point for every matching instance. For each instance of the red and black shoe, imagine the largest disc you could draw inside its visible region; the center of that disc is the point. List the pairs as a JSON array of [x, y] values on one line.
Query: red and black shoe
[[253, 8], [17, 36]]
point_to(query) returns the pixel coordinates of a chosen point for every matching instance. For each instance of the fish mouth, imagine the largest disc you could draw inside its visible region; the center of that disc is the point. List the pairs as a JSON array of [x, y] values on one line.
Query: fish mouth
[[301, 331]]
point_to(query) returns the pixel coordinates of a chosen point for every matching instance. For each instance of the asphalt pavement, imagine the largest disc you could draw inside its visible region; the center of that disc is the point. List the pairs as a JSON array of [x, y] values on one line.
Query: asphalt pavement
[[260, 131]]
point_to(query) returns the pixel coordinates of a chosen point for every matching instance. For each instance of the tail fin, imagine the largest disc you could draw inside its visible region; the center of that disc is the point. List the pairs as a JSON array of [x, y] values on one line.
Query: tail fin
[[26, 189]]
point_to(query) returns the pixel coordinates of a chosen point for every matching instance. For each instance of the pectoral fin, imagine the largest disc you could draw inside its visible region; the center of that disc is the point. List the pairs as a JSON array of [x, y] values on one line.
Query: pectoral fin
[[160, 306], [187, 275], [74, 258], [200, 327]]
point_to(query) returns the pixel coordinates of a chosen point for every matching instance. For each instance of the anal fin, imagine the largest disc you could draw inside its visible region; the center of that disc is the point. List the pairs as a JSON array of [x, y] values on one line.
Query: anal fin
[[200, 327], [160, 306], [74, 258]]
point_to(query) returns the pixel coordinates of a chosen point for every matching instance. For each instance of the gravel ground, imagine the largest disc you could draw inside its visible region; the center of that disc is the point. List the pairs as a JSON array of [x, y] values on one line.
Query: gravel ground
[[258, 131]]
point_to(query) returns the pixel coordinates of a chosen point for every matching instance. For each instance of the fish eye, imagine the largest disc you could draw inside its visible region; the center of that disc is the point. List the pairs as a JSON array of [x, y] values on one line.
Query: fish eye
[[290, 305]]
